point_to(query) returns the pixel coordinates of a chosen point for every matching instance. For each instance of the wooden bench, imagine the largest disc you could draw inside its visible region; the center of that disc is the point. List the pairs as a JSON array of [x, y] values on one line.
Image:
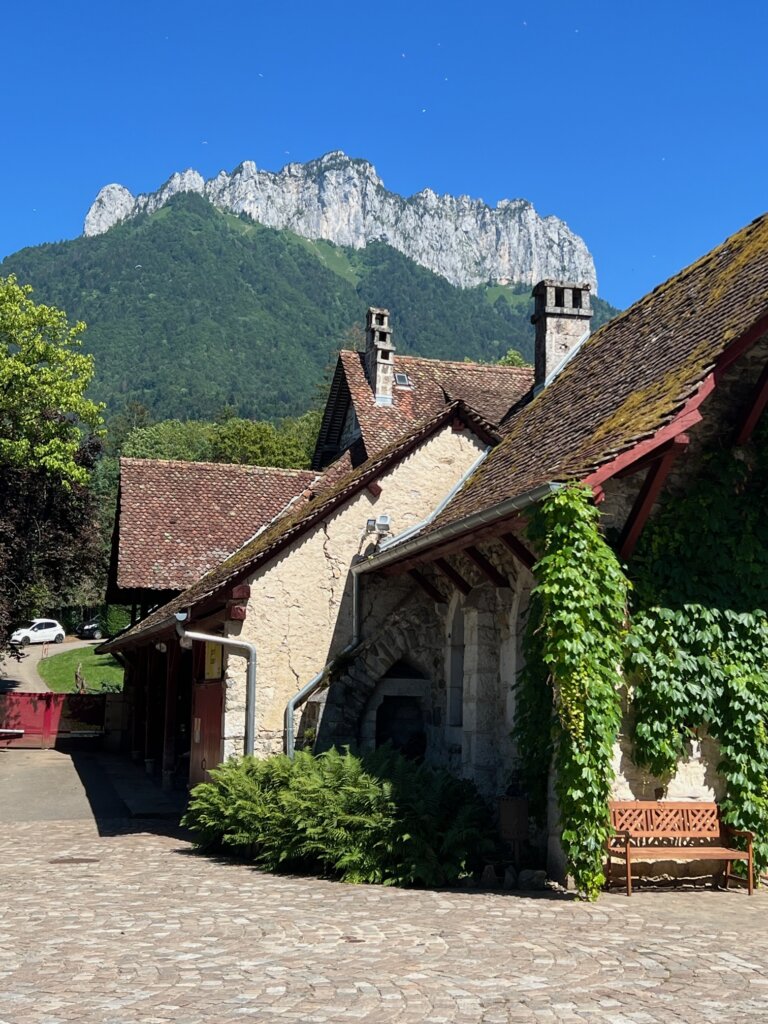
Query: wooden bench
[[648, 830]]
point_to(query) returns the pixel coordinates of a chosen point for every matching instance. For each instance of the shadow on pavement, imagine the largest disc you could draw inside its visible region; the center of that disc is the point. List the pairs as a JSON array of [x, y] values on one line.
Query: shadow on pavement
[[123, 798]]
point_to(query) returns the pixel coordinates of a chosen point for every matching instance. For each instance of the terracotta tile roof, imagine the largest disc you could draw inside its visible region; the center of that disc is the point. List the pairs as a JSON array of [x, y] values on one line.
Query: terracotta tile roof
[[330, 490], [630, 378], [178, 519], [490, 390]]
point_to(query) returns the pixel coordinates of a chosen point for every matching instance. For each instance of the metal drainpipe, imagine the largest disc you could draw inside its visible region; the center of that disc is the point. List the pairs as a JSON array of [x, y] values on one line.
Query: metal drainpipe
[[314, 682], [248, 651]]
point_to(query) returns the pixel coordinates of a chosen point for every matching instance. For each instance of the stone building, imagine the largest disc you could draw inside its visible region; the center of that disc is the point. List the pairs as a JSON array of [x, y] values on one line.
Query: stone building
[[390, 603]]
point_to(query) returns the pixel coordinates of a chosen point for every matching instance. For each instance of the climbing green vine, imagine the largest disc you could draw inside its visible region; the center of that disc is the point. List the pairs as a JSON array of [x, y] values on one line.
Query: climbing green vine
[[701, 660], [569, 699], [699, 668], [696, 655]]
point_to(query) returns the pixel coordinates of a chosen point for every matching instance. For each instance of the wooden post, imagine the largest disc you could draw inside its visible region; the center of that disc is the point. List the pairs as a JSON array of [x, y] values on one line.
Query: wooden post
[[148, 707], [170, 723]]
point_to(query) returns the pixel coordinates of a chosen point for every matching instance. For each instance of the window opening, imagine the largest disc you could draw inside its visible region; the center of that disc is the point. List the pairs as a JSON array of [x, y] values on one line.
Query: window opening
[[456, 670]]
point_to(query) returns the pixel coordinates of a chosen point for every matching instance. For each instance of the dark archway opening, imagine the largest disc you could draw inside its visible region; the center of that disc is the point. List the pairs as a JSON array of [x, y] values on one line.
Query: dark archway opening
[[400, 721]]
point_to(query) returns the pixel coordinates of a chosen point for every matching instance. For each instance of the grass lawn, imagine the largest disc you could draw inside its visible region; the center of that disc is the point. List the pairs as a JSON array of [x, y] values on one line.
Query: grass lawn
[[58, 670]]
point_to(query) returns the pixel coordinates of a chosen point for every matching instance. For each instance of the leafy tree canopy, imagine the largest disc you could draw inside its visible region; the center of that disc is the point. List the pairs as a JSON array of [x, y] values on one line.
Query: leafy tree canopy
[[43, 379], [289, 445]]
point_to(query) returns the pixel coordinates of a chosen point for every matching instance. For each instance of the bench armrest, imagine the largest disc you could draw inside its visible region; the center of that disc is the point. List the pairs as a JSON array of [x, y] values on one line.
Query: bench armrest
[[740, 832], [619, 833]]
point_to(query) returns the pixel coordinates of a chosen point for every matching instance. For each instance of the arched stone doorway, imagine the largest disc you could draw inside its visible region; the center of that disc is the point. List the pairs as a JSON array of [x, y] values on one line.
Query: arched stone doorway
[[397, 712]]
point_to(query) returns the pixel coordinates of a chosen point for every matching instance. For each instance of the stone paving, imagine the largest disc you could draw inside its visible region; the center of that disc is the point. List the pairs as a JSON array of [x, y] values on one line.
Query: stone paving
[[134, 928]]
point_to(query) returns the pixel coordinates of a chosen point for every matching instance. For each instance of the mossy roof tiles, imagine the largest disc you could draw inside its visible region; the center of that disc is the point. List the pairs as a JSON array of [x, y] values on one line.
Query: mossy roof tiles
[[629, 379]]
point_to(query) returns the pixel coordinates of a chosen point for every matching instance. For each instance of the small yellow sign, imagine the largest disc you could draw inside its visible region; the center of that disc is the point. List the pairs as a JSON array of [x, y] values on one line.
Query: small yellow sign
[[212, 661]]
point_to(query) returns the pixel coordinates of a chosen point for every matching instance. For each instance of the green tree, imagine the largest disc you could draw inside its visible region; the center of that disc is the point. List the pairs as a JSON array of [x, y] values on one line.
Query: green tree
[[48, 541], [188, 441], [513, 358], [43, 379], [254, 442]]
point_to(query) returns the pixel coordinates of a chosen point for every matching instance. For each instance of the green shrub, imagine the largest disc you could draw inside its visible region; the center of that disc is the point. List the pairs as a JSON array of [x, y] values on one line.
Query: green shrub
[[378, 818]]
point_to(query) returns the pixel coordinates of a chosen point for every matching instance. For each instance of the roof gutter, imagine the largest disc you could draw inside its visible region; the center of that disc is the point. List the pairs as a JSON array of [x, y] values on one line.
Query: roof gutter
[[417, 527], [308, 689], [246, 650], [395, 552]]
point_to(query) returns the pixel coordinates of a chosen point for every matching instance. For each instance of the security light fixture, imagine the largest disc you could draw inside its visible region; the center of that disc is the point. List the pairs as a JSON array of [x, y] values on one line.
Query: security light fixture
[[383, 524]]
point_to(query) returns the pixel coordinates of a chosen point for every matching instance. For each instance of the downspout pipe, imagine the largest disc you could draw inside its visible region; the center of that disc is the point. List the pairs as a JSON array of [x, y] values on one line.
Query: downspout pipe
[[245, 650], [308, 689]]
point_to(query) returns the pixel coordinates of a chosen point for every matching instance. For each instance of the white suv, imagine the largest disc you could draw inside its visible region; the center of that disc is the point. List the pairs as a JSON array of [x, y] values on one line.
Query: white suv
[[39, 631]]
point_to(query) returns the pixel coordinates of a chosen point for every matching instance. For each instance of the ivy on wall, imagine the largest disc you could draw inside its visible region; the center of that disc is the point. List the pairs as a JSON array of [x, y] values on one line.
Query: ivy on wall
[[696, 654], [569, 693], [696, 667], [698, 651]]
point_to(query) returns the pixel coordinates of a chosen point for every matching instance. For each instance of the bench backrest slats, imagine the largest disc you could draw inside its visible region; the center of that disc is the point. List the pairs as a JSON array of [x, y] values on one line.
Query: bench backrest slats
[[666, 819]]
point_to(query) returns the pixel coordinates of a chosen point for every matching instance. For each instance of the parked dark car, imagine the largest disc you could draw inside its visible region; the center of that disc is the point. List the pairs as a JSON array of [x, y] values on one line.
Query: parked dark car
[[90, 630]]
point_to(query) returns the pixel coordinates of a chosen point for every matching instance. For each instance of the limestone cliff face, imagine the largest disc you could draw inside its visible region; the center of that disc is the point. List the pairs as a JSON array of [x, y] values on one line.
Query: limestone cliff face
[[344, 201]]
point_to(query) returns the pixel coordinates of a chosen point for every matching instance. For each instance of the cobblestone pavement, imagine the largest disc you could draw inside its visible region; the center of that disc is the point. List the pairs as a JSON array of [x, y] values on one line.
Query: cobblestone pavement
[[135, 927]]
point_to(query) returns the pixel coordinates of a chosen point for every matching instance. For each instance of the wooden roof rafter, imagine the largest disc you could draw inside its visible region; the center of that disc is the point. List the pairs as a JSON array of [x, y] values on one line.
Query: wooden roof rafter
[[648, 495]]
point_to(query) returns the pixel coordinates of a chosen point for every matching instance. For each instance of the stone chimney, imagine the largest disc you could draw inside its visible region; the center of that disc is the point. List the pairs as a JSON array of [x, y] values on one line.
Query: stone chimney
[[379, 355], [562, 313]]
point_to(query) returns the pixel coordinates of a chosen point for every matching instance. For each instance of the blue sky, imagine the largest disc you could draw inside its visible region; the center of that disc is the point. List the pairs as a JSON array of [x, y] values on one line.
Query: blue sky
[[642, 126]]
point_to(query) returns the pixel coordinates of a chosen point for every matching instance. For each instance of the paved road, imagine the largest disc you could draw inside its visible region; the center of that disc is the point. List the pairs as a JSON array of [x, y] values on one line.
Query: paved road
[[116, 922], [22, 676]]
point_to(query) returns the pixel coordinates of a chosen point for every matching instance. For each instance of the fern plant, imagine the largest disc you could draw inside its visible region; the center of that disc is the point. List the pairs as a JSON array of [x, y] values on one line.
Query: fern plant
[[374, 819]]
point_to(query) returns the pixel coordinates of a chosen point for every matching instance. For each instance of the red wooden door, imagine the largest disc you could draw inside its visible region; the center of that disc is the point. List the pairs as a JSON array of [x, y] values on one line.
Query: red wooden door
[[207, 721]]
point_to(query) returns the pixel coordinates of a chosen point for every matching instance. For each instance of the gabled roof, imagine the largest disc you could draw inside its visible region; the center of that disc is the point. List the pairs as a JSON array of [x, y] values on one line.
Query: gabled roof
[[330, 490], [630, 379], [178, 519], [490, 390]]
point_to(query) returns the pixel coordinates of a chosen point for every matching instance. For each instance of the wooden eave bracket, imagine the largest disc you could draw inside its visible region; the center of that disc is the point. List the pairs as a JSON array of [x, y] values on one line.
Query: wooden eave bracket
[[453, 575], [519, 550], [649, 492], [688, 417], [429, 588], [486, 568], [755, 410]]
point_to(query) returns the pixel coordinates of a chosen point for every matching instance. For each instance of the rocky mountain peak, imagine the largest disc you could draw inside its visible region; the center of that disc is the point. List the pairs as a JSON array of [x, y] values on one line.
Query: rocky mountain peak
[[343, 200]]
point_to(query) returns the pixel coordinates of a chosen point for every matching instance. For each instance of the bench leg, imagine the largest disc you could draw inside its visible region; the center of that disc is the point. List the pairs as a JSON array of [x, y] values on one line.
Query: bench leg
[[750, 873], [629, 873]]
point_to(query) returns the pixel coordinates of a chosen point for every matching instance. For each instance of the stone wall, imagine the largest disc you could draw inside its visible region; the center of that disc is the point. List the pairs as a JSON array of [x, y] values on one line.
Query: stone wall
[[417, 632], [300, 608]]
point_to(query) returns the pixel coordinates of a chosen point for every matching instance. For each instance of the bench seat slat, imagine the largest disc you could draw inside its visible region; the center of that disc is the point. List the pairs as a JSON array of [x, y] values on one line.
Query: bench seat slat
[[681, 853]]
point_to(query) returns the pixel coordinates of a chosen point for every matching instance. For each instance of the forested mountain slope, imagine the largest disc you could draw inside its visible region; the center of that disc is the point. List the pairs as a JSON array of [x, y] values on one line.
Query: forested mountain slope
[[191, 310]]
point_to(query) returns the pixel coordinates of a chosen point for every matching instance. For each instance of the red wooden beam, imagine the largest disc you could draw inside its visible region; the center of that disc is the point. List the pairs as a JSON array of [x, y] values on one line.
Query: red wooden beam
[[755, 411], [688, 417], [652, 457], [519, 550], [427, 587], [645, 500], [486, 568], [453, 575]]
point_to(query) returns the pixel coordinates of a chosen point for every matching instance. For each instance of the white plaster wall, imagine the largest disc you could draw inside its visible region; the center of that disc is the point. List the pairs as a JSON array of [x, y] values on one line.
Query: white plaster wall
[[299, 612]]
